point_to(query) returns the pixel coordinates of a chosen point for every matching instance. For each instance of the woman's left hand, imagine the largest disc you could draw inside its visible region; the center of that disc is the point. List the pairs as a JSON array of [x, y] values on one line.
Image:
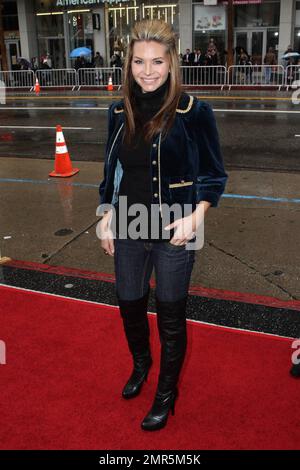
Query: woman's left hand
[[185, 229]]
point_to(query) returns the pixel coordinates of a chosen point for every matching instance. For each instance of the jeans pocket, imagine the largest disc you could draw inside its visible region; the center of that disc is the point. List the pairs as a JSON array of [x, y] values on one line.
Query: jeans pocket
[[175, 247]]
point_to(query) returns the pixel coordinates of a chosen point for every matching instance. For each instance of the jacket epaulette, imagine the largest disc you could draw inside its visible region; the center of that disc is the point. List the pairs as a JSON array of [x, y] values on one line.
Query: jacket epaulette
[[185, 103]]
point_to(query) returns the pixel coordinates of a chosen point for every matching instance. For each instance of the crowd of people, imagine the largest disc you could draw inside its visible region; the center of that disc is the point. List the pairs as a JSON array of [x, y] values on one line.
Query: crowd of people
[[199, 58], [46, 62], [210, 57], [270, 62], [35, 63]]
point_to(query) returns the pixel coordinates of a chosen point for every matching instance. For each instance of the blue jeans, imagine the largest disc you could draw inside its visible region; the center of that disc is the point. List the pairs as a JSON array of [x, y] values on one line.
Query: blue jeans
[[134, 261], [268, 74]]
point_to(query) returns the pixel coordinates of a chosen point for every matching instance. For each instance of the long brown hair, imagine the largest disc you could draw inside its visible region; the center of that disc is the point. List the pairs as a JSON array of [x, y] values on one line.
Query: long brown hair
[[160, 31]]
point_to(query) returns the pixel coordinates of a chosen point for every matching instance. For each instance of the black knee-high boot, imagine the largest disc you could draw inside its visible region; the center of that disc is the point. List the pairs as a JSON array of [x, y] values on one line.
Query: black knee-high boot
[[295, 370], [171, 321], [136, 327]]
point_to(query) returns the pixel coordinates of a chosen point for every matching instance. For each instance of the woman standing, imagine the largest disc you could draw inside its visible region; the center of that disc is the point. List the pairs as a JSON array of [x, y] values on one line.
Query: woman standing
[[162, 150]]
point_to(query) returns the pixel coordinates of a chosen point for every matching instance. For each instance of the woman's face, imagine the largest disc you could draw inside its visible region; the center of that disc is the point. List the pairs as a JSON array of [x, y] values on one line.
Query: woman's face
[[150, 64]]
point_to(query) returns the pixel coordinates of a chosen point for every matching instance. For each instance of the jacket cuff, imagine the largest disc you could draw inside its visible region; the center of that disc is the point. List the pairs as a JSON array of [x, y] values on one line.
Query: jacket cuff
[[208, 196]]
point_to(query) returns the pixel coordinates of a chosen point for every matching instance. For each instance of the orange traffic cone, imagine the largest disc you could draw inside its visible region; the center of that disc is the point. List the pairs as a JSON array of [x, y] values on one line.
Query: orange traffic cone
[[37, 87], [63, 165], [110, 84]]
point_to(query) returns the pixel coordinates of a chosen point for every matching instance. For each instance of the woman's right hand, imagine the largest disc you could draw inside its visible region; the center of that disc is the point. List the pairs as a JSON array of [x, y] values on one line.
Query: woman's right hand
[[106, 235]]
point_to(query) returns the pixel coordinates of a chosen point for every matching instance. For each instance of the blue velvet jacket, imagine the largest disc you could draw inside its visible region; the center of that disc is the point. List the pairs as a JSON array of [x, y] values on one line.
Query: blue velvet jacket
[[186, 167]]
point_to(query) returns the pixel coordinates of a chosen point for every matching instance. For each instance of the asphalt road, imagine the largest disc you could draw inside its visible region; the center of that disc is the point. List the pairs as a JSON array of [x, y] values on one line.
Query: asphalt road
[[251, 242], [256, 132]]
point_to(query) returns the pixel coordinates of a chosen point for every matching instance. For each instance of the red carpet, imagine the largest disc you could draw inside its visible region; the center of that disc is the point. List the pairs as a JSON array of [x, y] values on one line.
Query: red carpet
[[67, 361]]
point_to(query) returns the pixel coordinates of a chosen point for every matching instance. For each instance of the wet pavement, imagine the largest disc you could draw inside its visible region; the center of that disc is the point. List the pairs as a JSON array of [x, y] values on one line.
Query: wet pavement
[[251, 240], [257, 130]]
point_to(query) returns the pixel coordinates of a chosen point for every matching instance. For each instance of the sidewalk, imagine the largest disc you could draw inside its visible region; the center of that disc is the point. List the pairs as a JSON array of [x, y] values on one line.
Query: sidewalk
[[250, 243], [118, 93]]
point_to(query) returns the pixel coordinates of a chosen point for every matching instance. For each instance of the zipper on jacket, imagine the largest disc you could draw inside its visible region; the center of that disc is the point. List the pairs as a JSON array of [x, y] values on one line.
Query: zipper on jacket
[[114, 142]]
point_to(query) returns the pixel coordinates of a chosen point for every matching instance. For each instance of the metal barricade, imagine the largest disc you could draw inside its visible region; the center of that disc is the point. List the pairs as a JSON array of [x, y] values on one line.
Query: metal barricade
[[51, 78], [255, 75], [292, 74], [192, 76], [204, 76], [18, 79], [98, 77]]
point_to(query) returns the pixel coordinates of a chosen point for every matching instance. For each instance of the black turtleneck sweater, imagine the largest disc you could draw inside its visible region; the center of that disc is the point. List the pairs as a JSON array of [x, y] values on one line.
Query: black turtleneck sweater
[[135, 158]]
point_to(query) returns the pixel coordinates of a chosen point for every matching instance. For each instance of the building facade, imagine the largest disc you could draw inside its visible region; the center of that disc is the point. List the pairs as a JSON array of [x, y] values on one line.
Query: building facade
[[37, 28]]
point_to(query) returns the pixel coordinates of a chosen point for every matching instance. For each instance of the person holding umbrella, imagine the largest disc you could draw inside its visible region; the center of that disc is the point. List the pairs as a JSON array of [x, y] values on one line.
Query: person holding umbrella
[[80, 63], [162, 154], [79, 53], [290, 58], [290, 55]]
